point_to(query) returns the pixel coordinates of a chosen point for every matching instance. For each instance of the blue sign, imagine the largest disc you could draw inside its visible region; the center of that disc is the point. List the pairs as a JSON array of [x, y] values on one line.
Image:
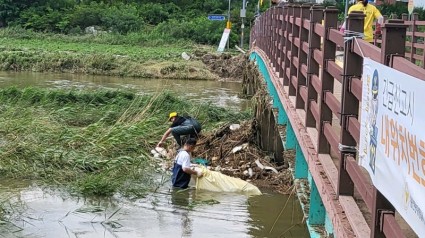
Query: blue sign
[[216, 17]]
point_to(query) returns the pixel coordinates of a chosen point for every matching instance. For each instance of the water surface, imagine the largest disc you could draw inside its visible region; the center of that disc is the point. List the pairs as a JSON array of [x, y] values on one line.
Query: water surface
[[224, 94], [45, 212]]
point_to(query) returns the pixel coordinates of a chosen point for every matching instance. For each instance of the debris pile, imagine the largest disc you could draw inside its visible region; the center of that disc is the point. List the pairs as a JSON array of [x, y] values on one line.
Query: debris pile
[[232, 151], [226, 66]]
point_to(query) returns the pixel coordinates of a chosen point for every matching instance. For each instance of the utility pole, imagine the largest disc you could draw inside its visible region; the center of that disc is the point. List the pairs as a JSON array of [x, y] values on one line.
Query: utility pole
[[228, 26], [345, 11], [243, 15]]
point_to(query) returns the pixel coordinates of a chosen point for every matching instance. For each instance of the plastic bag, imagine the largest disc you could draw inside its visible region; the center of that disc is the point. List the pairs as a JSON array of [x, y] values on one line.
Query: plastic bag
[[218, 182]]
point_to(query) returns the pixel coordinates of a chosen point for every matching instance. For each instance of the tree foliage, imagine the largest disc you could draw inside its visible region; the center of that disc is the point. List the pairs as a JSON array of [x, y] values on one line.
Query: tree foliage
[[182, 19], [185, 19]]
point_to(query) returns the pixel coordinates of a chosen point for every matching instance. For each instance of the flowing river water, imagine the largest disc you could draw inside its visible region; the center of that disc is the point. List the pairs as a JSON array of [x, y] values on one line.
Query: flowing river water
[[36, 211]]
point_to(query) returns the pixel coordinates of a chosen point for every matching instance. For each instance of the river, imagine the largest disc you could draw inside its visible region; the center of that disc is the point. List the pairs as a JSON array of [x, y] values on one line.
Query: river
[[35, 211], [223, 94]]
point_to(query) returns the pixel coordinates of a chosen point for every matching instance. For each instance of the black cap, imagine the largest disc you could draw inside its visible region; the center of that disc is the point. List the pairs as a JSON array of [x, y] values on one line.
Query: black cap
[[191, 141]]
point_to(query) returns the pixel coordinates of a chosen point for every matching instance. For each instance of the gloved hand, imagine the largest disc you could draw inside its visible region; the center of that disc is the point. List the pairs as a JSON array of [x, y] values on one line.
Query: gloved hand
[[378, 29], [199, 174]]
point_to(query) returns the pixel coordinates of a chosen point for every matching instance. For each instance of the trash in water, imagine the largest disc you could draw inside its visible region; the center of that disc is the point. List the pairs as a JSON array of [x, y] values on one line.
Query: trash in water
[[250, 172], [234, 127], [161, 151], [218, 182], [261, 166], [200, 161], [239, 148], [185, 56]]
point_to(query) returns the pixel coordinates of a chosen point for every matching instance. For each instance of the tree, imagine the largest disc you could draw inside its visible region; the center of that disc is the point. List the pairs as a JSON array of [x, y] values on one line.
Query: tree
[[10, 10]]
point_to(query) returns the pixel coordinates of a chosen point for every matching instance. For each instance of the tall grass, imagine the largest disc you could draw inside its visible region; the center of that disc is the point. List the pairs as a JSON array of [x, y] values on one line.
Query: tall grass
[[96, 142]]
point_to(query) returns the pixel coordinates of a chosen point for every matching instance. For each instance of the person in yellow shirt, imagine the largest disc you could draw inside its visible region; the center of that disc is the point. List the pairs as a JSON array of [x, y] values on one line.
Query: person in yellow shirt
[[372, 14]]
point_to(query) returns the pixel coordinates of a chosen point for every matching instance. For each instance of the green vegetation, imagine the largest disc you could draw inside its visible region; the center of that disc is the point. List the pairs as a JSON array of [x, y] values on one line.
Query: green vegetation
[[95, 142], [121, 38], [23, 50], [152, 20], [159, 19]]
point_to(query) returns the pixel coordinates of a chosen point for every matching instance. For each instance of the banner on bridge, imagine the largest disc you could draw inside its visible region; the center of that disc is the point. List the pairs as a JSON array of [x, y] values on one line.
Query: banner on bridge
[[392, 138]]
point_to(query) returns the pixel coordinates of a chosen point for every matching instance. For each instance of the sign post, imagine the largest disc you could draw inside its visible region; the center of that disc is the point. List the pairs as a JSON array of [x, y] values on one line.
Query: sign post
[[410, 6], [223, 40], [228, 26], [243, 15]]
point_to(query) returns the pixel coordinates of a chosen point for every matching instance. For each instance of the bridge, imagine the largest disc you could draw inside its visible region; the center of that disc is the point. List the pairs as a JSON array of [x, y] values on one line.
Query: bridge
[[310, 104]]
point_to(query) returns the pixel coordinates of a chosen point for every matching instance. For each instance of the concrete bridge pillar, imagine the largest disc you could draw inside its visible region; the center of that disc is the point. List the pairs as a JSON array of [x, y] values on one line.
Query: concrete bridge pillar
[[301, 166], [317, 212], [290, 143]]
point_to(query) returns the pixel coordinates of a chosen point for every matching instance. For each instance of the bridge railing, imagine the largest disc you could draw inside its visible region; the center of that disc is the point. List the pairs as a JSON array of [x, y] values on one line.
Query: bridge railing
[[415, 40], [301, 42]]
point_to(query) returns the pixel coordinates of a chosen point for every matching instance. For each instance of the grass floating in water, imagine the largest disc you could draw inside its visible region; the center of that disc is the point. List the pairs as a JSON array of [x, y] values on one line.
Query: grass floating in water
[[96, 142]]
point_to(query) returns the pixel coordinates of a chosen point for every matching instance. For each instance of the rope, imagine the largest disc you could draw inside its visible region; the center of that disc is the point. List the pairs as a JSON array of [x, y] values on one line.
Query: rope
[[347, 148], [353, 35], [349, 36]]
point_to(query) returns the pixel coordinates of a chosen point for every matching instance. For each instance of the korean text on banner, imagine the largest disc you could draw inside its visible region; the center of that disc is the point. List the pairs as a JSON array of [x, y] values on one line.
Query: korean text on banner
[[392, 139], [223, 40]]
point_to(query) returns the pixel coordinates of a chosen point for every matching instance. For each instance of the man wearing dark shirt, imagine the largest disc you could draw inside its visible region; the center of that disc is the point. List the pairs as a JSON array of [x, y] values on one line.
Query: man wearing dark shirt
[[181, 126]]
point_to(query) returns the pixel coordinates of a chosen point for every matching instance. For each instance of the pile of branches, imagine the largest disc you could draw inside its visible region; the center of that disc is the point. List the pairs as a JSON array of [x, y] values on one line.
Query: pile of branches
[[234, 152], [225, 65]]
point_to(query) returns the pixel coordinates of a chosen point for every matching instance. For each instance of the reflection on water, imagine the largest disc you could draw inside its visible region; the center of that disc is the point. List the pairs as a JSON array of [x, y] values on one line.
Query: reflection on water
[[166, 213], [224, 94]]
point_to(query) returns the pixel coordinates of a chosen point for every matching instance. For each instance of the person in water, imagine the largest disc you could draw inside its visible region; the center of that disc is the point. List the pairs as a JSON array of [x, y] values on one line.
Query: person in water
[[182, 170]]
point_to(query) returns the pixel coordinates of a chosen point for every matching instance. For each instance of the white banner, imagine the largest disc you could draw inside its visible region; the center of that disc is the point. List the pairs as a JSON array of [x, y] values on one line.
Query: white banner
[[392, 139], [223, 40]]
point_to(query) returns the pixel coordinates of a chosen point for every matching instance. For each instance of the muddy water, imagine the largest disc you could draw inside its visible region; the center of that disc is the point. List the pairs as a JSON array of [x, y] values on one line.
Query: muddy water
[[38, 212], [224, 94], [32, 211]]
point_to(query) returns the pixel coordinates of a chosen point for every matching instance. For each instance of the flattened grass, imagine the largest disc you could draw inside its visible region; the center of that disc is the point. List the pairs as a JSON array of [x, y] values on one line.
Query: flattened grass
[[107, 54], [95, 142]]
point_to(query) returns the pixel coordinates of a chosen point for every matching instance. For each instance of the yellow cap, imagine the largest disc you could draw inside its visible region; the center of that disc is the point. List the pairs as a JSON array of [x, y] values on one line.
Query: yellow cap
[[173, 114]]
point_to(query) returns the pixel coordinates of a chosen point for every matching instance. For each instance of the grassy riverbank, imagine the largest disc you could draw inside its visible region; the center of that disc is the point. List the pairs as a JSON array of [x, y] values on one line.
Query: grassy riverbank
[[96, 142], [106, 54]]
